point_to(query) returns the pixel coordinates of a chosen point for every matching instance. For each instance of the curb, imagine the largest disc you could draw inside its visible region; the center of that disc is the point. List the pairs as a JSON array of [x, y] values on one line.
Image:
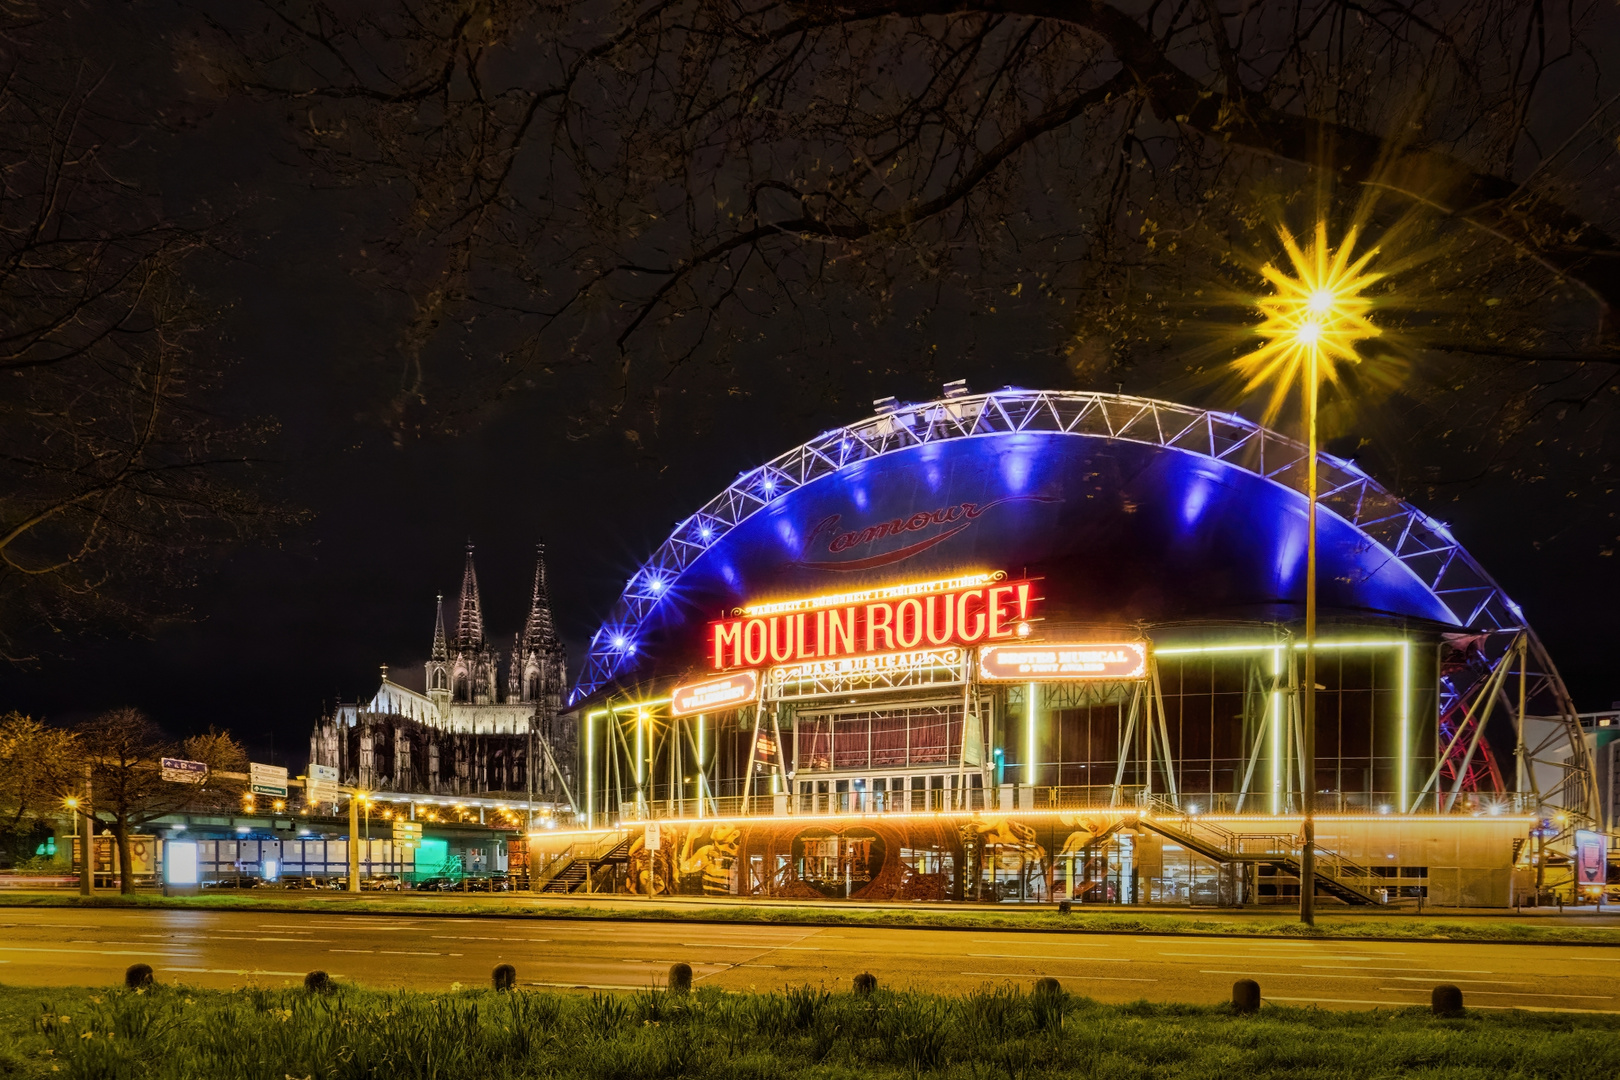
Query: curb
[[666, 916]]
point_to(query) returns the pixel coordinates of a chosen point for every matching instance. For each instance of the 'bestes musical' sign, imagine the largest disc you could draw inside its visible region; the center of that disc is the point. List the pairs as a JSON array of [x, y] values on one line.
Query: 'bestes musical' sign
[[1056, 661], [965, 610]]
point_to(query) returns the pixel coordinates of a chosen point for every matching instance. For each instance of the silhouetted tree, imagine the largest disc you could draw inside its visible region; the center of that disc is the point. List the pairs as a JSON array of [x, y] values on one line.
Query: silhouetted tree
[[114, 475], [657, 187], [123, 751], [35, 761]]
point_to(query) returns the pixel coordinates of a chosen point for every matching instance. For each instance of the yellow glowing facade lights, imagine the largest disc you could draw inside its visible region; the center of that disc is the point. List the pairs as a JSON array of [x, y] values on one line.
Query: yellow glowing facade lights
[[1403, 715], [1313, 317], [887, 592]]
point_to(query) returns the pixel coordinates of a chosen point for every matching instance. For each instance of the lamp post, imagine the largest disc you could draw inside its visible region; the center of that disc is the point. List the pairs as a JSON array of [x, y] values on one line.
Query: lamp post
[[1313, 319]]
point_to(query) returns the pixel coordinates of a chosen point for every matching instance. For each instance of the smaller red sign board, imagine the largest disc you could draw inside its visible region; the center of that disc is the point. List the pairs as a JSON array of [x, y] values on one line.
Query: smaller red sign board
[[714, 695], [1048, 661]]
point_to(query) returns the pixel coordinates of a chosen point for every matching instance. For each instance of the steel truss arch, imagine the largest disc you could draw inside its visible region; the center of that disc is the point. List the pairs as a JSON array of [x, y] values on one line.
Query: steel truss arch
[[1422, 543]]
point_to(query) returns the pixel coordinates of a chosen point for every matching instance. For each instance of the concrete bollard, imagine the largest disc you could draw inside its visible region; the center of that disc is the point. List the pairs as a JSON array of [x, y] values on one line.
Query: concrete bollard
[[865, 983], [1065, 907], [680, 978], [1245, 996], [137, 976], [505, 977], [317, 982], [1446, 1000], [1048, 987]]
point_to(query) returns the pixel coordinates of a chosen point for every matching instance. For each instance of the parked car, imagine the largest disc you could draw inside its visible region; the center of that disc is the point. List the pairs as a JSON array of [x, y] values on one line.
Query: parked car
[[382, 883], [437, 884]]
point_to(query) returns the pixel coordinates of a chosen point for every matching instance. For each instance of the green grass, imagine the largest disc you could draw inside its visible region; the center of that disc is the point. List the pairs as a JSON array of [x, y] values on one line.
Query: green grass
[[181, 1033], [916, 916]]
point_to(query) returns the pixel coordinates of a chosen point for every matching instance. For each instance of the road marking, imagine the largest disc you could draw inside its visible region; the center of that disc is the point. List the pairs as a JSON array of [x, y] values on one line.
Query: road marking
[[94, 952], [1508, 993], [592, 986], [1027, 956], [408, 952], [241, 971], [1340, 1001], [1032, 944], [352, 950], [713, 945], [1087, 978], [1314, 975], [1449, 971]]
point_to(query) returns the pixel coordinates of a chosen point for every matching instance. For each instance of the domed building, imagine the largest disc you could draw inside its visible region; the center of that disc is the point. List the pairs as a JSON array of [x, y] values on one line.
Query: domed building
[[1048, 645]]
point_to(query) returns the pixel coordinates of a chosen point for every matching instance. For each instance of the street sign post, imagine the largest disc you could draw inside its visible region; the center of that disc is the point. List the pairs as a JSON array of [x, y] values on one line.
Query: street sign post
[[321, 784], [267, 780], [408, 834], [181, 771]]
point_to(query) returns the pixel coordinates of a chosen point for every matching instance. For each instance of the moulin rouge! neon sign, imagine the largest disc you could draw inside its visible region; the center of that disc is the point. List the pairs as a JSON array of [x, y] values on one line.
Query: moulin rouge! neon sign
[[966, 610]]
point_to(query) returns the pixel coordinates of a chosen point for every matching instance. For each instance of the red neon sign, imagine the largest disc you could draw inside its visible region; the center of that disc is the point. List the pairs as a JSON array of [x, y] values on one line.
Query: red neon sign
[[991, 611]]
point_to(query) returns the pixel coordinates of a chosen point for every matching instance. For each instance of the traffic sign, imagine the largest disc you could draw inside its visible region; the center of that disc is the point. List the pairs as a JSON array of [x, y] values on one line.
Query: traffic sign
[[181, 771], [321, 784], [267, 780]]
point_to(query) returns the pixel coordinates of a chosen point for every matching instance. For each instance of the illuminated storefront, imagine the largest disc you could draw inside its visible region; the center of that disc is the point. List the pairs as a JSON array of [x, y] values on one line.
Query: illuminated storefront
[[1043, 646]]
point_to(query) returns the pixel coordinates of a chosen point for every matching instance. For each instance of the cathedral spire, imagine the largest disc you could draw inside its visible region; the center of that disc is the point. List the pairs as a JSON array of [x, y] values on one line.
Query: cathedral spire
[[441, 650], [470, 634], [539, 631]]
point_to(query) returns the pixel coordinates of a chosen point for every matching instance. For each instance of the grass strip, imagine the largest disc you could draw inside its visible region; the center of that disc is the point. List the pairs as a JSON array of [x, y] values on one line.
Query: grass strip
[[1386, 928], [292, 1034]]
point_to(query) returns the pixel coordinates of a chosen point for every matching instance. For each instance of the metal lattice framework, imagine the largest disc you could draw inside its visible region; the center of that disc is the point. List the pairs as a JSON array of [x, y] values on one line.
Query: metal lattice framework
[[1422, 543]]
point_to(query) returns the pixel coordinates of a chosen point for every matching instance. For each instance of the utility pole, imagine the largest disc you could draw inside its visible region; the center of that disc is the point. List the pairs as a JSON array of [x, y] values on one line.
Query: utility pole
[[87, 880], [1307, 735], [354, 841]]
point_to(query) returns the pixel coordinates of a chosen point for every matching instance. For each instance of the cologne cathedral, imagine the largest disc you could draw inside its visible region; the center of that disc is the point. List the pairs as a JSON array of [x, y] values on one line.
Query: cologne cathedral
[[448, 728]]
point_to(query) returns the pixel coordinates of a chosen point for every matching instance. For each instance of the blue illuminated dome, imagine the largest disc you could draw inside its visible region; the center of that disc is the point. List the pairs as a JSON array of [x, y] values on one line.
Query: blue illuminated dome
[[1129, 511]]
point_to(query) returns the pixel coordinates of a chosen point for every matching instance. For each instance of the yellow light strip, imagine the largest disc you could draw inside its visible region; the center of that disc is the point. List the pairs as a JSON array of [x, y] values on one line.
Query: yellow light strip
[[1257, 819], [886, 592]]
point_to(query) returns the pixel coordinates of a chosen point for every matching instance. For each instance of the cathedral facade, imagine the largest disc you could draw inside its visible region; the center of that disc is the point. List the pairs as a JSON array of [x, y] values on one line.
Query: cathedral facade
[[454, 726]]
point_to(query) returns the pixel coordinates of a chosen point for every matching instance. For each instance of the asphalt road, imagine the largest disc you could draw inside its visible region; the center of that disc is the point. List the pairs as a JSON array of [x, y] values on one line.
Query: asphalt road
[[62, 947]]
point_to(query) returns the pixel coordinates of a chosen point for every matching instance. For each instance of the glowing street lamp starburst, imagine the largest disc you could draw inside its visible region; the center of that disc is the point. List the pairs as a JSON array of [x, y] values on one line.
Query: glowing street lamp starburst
[[1313, 318]]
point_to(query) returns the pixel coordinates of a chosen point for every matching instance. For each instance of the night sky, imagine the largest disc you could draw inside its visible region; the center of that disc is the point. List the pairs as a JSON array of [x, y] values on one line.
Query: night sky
[[283, 628]]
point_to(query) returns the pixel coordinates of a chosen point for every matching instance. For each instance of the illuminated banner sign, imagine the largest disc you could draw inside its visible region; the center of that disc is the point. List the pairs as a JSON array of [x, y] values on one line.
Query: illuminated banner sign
[[965, 610], [858, 667], [1054, 662], [715, 695], [1591, 858]]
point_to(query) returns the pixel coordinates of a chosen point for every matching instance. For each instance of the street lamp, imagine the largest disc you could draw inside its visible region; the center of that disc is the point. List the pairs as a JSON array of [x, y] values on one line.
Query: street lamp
[[1313, 319]]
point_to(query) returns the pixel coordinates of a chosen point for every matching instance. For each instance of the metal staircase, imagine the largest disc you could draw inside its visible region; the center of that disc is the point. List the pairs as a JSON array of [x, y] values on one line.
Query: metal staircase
[[1335, 875], [574, 866]]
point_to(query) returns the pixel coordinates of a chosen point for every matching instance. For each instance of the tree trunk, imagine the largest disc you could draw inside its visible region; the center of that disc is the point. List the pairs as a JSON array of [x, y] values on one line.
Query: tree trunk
[[126, 874]]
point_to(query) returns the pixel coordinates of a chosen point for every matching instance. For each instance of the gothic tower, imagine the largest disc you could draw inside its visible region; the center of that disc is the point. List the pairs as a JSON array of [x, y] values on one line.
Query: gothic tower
[[537, 655], [438, 665], [472, 661]]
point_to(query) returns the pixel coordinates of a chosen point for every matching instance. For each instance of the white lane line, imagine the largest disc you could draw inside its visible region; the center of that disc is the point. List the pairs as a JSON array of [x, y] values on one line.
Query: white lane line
[[352, 950], [244, 971], [408, 952], [1397, 978], [1044, 959], [1066, 941], [99, 952], [713, 945], [1507, 993], [469, 937], [1448, 971], [1340, 1001], [1087, 978], [591, 986]]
